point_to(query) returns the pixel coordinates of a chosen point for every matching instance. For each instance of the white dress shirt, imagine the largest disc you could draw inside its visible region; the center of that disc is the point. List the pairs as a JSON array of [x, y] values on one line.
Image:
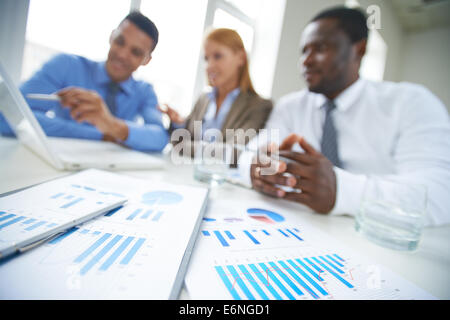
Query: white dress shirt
[[397, 131]]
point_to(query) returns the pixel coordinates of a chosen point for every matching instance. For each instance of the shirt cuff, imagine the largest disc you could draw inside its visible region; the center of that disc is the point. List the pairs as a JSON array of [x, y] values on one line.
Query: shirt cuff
[[140, 138], [349, 192]]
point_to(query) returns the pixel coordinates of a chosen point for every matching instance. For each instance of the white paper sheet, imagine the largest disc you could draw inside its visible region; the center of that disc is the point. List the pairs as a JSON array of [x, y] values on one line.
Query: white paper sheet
[[262, 250], [131, 253]]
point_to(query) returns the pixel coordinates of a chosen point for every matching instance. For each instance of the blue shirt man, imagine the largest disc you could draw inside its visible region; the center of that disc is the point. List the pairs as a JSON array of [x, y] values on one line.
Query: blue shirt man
[[83, 86]]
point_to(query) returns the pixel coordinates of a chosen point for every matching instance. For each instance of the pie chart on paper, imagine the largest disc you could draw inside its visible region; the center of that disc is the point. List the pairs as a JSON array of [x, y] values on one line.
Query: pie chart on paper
[[266, 216]]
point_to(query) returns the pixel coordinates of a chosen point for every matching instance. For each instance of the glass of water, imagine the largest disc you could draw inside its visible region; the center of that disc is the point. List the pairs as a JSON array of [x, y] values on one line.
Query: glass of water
[[392, 213], [211, 162]]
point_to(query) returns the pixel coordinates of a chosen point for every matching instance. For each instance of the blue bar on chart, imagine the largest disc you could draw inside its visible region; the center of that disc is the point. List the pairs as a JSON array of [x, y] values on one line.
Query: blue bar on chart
[[206, 233], [283, 233], [157, 216], [253, 282], [299, 280], [10, 222], [2, 212], [116, 254], [29, 221], [147, 214], [334, 260], [227, 283], [133, 251], [332, 265], [292, 233], [248, 234], [230, 235], [89, 250], [221, 239], [237, 279], [100, 255], [64, 235], [306, 276], [266, 233], [134, 214], [323, 265], [68, 197], [7, 217], [57, 195], [36, 225], [276, 281], [72, 203], [51, 225]]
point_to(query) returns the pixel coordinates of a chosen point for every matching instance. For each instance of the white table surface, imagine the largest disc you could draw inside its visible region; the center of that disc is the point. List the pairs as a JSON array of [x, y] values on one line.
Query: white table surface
[[428, 267]]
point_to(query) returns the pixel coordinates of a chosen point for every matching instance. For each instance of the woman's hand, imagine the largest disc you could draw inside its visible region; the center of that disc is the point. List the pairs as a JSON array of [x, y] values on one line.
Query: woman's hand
[[173, 115]]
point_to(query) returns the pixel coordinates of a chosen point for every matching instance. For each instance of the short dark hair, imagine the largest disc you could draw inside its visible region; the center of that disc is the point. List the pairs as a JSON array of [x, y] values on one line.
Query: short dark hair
[[145, 24], [352, 21]]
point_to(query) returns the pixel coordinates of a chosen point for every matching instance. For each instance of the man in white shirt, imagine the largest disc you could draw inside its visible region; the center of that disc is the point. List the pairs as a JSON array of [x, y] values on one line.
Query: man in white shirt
[[343, 128]]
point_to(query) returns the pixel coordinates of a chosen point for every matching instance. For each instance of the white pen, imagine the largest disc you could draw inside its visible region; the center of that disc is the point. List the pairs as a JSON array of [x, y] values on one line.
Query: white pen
[[41, 96]]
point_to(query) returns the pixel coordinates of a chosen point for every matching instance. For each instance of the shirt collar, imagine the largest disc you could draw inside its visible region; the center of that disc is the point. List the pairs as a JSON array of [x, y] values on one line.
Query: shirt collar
[[231, 95], [101, 77], [346, 99]]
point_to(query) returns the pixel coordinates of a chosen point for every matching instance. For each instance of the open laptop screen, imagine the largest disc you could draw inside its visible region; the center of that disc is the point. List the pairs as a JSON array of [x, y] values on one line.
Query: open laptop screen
[[21, 119]]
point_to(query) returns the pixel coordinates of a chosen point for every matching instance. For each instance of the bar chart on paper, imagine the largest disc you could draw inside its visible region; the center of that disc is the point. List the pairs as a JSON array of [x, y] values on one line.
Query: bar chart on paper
[[148, 207], [296, 278], [96, 251]]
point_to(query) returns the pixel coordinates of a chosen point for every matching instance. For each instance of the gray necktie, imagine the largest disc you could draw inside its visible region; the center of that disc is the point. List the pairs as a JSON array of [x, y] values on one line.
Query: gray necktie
[[113, 89], [328, 145]]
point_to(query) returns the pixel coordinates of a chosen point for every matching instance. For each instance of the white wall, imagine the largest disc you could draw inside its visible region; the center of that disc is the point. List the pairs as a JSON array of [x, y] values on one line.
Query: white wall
[[13, 21], [426, 60], [297, 14]]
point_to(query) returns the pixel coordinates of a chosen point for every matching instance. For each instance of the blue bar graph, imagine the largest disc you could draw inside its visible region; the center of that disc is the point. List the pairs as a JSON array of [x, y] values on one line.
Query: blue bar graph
[[253, 282], [57, 195], [296, 236], [309, 269], [36, 225], [227, 283], [157, 216], [312, 263], [230, 235], [332, 265], [7, 217], [264, 280], [100, 255], [64, 235], [81, 257], [29, 221], [133, 251], [72, 203], [251, 237], [298, 279], [116, 254], [10, 222], [283, 233], [134, 214], [339, 257], [147, 214], [277, 281], [334, 260], [206, 233], [265, 232], [286, 278], [333, 273], [307, 277], [221, 239], [241, 284]]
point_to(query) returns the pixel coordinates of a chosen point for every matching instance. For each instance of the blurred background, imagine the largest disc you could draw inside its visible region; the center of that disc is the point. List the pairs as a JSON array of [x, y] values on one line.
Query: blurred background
[[409, 39]]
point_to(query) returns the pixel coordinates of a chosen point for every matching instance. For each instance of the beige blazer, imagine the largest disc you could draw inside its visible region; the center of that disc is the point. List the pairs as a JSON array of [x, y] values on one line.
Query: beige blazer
[[248, 111]]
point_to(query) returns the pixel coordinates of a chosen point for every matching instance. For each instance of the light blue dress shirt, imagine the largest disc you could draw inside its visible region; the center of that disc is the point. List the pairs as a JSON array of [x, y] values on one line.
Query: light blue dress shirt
[[135, 99], [210, 119]]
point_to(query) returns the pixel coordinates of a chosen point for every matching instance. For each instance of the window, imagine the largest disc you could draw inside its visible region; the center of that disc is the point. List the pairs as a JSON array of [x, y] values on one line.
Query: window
[[176, 70]]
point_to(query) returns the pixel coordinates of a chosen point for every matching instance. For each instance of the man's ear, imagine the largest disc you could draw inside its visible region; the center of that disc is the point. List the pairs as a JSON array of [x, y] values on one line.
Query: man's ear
[[361, 47], [146, 60]]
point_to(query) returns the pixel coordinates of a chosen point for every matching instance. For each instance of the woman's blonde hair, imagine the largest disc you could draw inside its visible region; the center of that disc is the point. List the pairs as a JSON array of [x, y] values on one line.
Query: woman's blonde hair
[[232, 40]]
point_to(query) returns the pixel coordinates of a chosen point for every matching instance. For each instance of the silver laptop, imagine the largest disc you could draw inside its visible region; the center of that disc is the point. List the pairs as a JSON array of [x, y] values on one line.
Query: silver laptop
[[63, 153]]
